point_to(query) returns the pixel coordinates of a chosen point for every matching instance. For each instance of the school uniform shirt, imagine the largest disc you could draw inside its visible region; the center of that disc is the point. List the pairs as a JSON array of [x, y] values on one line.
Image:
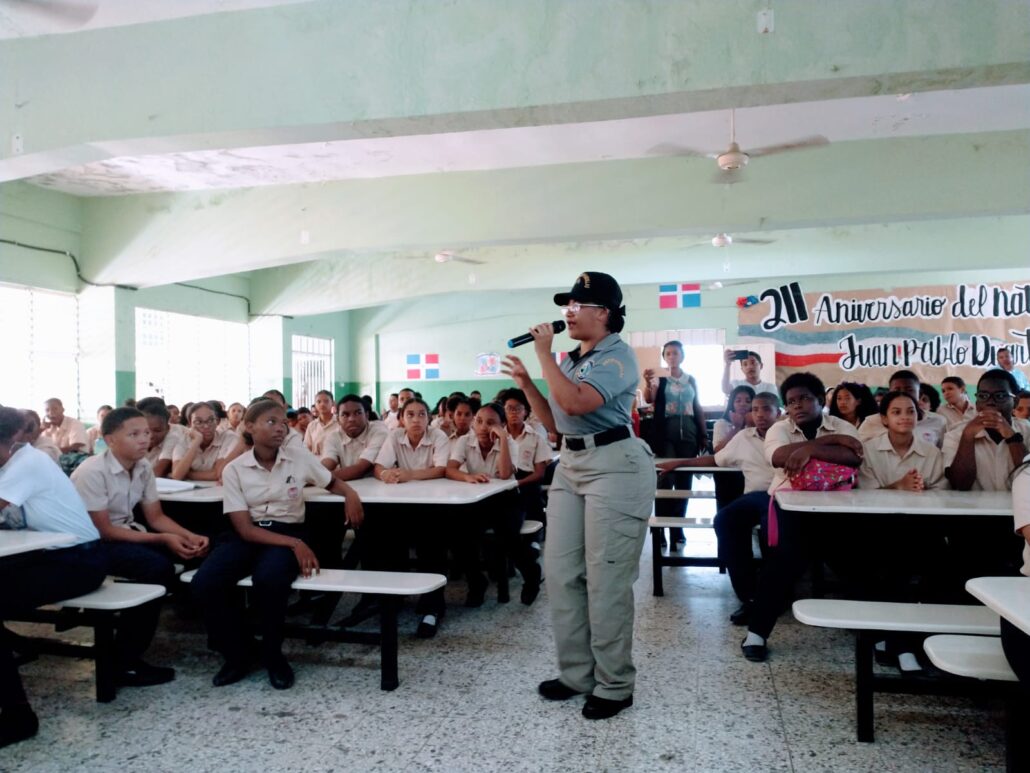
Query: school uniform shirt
[[346, 450], [955, 417], [392, 420], [432, 451], [276, 494], [71, 432], [176, 433], [104, 484], [48, 447], [316, 433], [993, 460], [882, 465], [294, 439], [47, 498], [531, 448], [470, 457], [1021, 510], [221, 444], [746, 450], [932, 428], [721, 430], [761, 386], [786, 432]]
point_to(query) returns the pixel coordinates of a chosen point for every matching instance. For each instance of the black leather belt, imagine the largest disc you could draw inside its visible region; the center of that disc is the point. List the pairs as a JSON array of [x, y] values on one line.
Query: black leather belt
[[605, 438]]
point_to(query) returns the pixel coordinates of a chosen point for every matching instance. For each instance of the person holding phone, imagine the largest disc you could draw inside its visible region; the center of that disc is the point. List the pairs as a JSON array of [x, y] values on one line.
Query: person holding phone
[[751, 365]]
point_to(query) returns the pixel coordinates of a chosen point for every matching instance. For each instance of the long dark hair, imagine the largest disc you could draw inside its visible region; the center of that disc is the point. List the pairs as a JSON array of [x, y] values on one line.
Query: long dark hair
[[862, 394], [737, 390]]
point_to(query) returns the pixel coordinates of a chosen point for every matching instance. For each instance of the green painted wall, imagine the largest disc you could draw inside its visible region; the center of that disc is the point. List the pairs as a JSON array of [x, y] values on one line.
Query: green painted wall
[[335, 326], [42, 218]]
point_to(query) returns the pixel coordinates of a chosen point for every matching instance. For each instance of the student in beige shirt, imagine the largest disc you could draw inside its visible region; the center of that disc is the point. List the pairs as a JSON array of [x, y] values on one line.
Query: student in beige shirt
[[111, 484], [323, 424], [981, 454], [931, 428], [67, 433], [351, 452], [205, 451], [957, 408], [898, 459], [164, 435], [263, 497]]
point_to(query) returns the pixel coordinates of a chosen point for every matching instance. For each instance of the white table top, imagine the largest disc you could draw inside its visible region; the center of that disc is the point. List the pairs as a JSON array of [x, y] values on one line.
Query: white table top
[[884, 501], [1008, 596], [17, 541], [439, 491]]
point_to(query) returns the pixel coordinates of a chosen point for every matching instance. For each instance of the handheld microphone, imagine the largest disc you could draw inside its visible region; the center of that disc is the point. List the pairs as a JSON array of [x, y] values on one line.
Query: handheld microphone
[[525, 338]]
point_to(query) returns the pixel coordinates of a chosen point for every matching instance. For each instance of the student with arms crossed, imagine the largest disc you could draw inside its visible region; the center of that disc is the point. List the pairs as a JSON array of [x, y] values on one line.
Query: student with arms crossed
[[263, 499], [735, 522]]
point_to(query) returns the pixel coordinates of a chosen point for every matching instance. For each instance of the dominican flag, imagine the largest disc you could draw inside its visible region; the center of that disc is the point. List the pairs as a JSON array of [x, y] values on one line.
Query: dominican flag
[[423, 366], [679, 296]]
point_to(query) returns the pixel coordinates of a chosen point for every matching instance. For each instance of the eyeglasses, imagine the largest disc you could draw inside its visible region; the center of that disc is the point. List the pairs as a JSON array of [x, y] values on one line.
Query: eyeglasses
[[993, 397], [574, 308], [204, 422]]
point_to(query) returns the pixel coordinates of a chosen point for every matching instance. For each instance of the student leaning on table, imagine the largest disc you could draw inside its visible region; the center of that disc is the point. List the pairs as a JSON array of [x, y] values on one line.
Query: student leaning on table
[[735, 522], [600, 499], [30, 481], [806, 434], [262, 495]]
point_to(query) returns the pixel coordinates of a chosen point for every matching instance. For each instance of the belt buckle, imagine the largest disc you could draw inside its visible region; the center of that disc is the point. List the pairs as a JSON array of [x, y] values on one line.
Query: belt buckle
[[264, 524]]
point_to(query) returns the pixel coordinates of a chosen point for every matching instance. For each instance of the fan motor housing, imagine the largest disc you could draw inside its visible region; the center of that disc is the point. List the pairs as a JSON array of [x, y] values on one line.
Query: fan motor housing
[[734, 158]]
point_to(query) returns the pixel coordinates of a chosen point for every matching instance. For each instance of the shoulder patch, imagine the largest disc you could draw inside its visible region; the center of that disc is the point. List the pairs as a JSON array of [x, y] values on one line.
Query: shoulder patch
[[617, 363]]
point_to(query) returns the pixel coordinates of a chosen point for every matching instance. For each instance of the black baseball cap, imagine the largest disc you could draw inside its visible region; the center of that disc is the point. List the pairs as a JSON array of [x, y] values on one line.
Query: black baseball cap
[[593, 287]]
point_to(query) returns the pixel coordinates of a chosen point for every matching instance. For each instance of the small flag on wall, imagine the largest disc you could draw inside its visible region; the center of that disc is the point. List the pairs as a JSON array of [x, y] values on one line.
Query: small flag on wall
[[423, 366], [679, 296]]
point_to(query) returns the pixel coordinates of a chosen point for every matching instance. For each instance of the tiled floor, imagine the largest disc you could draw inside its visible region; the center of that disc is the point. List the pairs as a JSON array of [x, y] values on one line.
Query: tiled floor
[[467, 702]]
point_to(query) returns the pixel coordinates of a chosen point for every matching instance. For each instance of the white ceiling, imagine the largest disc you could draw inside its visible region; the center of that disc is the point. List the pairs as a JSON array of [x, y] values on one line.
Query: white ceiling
[[33, 18], [998, 108]]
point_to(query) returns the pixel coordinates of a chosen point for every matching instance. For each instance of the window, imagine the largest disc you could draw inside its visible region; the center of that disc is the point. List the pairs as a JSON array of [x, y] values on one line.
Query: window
[[183, 358], [312, 368], [39, 348]]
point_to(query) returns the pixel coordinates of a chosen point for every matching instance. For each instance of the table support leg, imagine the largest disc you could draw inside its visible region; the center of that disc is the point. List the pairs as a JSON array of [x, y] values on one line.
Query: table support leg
[[388, 642], [104, 655], [864, 685], [656, 561]]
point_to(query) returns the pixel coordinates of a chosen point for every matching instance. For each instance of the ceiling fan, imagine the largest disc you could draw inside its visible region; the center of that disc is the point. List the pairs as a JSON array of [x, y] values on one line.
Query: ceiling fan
[[725, 240], [732, 161], [446, 256]]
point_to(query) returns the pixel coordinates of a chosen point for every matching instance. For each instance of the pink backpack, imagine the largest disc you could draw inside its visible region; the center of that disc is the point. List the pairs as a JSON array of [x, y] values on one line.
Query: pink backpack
[[817, 475]]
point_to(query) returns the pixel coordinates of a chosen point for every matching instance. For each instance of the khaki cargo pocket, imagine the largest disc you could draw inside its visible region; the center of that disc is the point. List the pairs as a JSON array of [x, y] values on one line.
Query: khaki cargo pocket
[[624, 540]]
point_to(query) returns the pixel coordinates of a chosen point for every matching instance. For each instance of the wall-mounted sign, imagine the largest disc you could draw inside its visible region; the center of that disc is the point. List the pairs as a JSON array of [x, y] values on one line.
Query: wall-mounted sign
[[488, 364]]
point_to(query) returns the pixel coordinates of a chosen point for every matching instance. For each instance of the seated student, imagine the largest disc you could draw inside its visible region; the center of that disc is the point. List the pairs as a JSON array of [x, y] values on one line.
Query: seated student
[[752, 368], [206, 451], [391, 416], [1022, 409], [263, 498], [33, 435], [414, 452], [183, 420], [164, 435], [898, 459], [852, 402], [735, 522], [956, 408], [932, 427], [93, 434], [929, 398], [487, 454], [736, 417], [1007, 364], [67, 433], [532, 453], [294, 437], [302, 420], [111, 484], [234, 418], [806, 434], [981, 454], [440, 416], [369, 410], [323, 424], [351, 452], [462, 410], [173, 414]]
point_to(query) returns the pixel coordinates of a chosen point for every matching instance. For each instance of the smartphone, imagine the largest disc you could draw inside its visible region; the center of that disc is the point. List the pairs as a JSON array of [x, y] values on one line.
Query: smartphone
[[740, 354]]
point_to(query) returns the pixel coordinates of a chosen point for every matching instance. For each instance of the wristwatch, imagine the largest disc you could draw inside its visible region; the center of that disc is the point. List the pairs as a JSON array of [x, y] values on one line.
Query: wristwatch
[[1015, 437]]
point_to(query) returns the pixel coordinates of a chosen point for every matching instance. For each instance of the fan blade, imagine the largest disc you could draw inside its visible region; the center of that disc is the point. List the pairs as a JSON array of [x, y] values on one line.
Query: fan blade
[[729, 177], [66, 12], [473, 261], [752, 241], [669, 149], [803, 144]]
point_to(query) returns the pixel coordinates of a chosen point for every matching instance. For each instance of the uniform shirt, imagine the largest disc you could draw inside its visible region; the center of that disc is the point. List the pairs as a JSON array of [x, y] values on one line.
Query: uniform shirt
[[92, 435], [294, 440], [679, 396], [45, 494], [882, 466], [346, 450], [71, 432], [276, 494], [104, 484], [467, 453], [530, 449], [721, 430], [786, 432], [317, 432], [48, 447], [392, 420], [761, 386], [432, 451], [932, 428], [746, 450], [176, 433], [611, 368], [993, 460], [1021, 510], [205, 458], [954, 417]]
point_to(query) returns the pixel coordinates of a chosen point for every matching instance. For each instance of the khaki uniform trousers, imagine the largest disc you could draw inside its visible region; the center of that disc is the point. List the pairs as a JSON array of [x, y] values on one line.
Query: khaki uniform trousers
[[597, 514]]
